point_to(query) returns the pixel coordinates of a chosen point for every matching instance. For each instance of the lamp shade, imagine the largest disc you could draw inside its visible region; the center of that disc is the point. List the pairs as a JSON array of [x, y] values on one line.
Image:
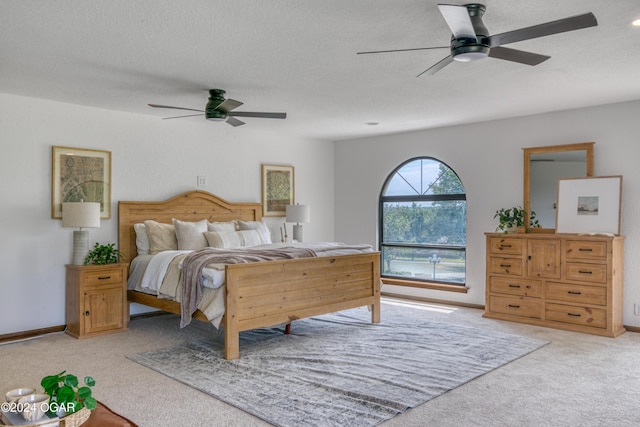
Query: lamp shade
[[81, 214], [298, 213]]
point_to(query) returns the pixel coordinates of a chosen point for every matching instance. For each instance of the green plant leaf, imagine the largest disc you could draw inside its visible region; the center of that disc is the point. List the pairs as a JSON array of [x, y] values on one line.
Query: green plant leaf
[[89, 381], [65, 394], [71, 381], [90, 403], [84, 392]]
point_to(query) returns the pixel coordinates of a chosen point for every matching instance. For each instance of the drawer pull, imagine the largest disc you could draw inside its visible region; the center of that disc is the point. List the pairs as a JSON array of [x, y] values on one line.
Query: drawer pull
[[585, 272], [514, 286], [513, 306], [574, 292], [505, 265], [104, 277], [504, 246], [86, 313], [585, 250], [574, 314]]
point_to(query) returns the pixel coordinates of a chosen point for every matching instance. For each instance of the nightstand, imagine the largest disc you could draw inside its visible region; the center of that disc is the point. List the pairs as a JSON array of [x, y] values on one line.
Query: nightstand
[[97, 299]]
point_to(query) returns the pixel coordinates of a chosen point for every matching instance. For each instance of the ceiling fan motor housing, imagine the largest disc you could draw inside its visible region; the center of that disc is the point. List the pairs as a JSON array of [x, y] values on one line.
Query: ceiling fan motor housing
[[466, 49], [216, 97]]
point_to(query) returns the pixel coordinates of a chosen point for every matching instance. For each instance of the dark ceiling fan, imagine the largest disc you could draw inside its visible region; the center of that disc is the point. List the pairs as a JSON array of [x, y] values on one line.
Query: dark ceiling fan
[[470, 39], [220, 109]]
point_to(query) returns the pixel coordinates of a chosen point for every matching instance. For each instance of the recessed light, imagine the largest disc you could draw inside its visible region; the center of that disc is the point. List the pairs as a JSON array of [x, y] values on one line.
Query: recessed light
[[636, 23], [372, 123]]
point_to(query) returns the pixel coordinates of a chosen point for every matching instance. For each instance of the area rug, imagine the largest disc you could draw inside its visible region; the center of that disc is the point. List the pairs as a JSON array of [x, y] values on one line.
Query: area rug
[[339, 369]]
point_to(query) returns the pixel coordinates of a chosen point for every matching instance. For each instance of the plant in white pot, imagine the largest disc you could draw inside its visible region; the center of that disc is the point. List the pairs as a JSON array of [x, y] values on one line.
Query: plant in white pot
[[513, 219]]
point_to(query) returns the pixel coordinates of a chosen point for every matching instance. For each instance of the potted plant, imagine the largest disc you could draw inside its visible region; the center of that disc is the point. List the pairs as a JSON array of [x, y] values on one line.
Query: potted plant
[[102, 254], [513, 219], [65, 391]]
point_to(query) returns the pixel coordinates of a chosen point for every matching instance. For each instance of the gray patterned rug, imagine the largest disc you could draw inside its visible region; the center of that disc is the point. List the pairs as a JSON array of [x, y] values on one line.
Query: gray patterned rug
[[339, 369]]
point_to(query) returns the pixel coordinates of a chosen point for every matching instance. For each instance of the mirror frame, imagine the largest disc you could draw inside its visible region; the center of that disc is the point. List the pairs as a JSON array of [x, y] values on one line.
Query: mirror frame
[[586, 146]]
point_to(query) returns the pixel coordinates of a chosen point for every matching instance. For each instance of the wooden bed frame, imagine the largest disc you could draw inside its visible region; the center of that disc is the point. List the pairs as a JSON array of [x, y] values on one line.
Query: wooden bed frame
[[259, 294]]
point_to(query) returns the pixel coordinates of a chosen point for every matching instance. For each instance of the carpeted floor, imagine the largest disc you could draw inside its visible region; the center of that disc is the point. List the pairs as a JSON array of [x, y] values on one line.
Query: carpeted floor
[[340, 369]]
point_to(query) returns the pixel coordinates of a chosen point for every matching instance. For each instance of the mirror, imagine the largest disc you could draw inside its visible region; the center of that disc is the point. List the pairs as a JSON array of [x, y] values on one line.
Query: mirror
[[543, 166]]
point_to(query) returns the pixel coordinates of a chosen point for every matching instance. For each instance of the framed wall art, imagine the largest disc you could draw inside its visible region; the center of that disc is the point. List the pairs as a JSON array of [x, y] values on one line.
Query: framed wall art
[[589, 205], [277, 189], [80, 174]]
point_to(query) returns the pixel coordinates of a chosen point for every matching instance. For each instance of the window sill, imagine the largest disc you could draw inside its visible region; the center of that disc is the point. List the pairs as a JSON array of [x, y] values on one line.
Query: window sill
[[425, 285]]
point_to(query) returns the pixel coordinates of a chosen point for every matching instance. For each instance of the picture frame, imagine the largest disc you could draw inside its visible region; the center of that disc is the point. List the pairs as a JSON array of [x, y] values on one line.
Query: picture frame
[[80, 174], [277, 189], [589, 205]]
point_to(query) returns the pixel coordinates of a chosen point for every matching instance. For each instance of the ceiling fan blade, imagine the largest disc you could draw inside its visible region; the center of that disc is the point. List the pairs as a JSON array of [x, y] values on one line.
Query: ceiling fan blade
[[403, 50], [437, 67], [179, 117], [260, 115], [175, 108], [554, 27], [234, 122], [514, 55], [458, 20], [228, 105]]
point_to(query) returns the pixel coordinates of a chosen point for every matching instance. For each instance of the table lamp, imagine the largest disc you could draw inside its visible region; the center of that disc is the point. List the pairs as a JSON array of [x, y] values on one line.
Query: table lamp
[[298, 213], [81, 215]]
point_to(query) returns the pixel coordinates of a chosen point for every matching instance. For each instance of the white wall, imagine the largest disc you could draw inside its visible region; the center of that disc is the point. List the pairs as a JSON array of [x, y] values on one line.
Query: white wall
[[152, 160], [488, 159]]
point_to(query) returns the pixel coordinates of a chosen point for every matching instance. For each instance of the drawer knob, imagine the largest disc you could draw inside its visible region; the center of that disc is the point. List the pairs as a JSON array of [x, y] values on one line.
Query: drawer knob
[[104, 277], [86, 313]]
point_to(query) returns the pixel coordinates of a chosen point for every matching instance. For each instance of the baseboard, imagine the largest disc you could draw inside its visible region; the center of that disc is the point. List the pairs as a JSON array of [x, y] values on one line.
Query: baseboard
[[17, 336], [632, 328], [431, 300]]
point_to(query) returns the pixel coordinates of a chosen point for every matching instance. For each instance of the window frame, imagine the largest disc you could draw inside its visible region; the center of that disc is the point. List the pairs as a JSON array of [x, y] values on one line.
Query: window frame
[[413, 282]]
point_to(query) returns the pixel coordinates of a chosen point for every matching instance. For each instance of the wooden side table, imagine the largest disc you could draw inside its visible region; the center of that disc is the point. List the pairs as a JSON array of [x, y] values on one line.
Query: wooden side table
[[97, 299]]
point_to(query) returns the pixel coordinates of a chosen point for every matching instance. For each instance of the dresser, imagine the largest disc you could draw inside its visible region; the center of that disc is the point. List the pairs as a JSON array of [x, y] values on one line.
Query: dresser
[[96, 299], [563, 281]]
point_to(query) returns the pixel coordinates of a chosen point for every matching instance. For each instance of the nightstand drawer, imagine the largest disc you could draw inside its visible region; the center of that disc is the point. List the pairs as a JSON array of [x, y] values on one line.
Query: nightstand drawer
[[513, 286], [594, 317], [518, 306], [104, 277], [582, 294], [582, 272]]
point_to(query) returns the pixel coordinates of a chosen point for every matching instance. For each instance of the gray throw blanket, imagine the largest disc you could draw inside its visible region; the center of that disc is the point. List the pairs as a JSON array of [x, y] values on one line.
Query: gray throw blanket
[[195, 262]]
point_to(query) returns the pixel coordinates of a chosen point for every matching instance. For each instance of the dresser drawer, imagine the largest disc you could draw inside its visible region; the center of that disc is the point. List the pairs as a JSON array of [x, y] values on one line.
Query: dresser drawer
[[514, 286], [588, 250], [103, 277], [518, 306], [586, 316], [583, 272], [511, 266], [582, 294], [505, 246]]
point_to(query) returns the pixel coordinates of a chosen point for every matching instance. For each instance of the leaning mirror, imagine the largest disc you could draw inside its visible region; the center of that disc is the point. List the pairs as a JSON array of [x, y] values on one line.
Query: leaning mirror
[[543, 167]]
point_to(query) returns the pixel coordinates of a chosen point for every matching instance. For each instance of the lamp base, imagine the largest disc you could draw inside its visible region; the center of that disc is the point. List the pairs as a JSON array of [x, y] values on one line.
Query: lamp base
[[297, 233], [80, 246]]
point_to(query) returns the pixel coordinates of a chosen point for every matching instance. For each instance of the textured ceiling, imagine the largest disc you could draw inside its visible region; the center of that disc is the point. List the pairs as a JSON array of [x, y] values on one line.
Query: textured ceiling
[[299, 56]]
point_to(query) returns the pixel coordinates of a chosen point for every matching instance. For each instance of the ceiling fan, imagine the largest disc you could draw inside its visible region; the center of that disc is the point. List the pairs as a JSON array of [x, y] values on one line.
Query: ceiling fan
[[220, 109], [470, 39]]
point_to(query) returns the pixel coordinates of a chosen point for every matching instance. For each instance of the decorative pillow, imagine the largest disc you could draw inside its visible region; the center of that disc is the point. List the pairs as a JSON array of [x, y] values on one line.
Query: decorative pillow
[[223, 239], [190, 234], [142, 239], [250, 237], [162, 237], [221, 226], [260, 227]]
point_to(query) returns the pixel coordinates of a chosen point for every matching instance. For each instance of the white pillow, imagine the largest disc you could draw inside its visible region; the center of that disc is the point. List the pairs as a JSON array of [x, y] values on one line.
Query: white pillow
[[190, 235], [260, 227], [221, 226], [162, 237], [223, 239], [142, 239], [250, 237]]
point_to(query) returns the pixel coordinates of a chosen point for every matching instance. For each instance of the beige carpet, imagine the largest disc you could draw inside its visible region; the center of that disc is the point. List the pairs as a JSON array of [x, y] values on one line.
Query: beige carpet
[[577, 379]]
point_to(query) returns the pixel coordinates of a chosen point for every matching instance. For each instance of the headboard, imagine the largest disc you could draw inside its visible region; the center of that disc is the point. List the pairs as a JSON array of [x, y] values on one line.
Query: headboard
[[189, 206]]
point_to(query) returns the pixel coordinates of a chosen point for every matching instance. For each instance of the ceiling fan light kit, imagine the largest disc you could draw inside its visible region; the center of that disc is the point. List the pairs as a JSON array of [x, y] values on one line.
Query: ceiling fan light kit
[[471, 41]]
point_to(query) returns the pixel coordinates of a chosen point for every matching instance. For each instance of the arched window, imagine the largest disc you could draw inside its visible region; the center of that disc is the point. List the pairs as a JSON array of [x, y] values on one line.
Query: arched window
[[423, 223]]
